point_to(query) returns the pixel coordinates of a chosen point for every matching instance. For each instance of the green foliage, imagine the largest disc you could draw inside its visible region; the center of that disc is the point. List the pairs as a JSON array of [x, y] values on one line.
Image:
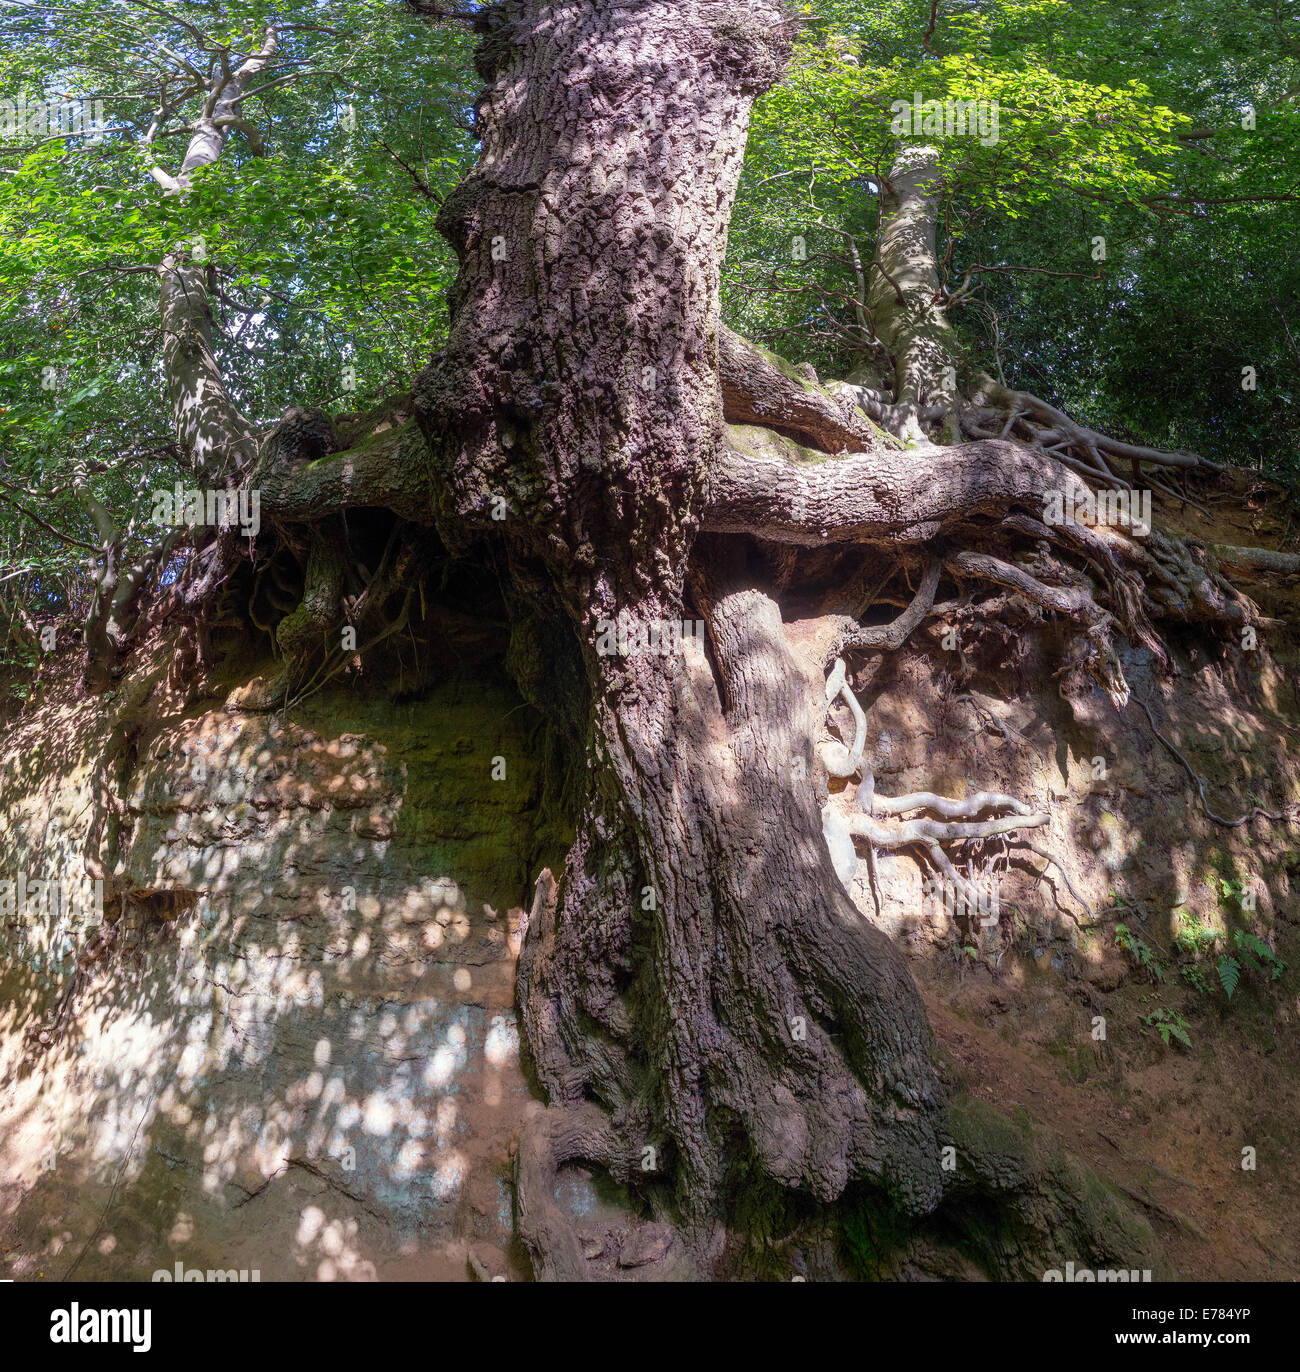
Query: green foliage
[[1195, 977], [1229, 974], [323, 249], [1195, 944], [1126, 121], [1140, 951], [1168, 1024], [1193, 936], [1257, 955], [1232, 889]]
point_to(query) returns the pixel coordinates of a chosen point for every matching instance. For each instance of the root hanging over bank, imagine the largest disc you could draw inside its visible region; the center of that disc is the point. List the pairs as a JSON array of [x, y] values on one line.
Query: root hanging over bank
[[958, 821]]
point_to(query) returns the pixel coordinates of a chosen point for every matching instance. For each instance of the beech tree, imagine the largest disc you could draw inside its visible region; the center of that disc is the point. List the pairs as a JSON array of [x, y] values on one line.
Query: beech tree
[[710, 1017]]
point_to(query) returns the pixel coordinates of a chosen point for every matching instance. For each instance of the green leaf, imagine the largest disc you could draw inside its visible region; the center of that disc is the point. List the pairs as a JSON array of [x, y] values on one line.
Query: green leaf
[[1229, 974]]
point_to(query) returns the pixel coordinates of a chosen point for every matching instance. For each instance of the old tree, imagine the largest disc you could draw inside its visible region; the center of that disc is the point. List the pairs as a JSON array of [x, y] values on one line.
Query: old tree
[[711, 1018]]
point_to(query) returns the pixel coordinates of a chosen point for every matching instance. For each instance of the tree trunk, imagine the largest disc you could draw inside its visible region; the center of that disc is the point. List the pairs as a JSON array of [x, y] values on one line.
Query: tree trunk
[[700, 973], [903, 290], [909, 310], [208, 423]]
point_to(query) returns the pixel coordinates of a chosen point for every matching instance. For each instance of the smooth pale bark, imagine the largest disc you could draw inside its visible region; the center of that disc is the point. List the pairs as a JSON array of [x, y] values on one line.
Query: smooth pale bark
[[209, 426], [904, 285], [214, 438], [909, 308]]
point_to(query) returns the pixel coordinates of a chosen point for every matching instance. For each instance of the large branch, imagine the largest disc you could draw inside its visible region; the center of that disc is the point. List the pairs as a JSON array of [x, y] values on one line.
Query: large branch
[[758, 389], [390, 471], [885, 497]]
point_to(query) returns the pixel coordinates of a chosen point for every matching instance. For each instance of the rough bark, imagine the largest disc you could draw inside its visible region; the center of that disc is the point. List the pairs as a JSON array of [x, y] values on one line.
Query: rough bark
[[1256, 559], [899, 498], [703, 975]]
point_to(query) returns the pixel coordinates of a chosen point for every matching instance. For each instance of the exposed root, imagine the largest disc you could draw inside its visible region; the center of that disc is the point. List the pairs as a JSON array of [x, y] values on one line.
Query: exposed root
[[558, 1134], [1065, 876], [889, 637], [996, 411], [761, 388], [1255, 812], [303, 632], [113, 617], [1256, 559], [958, 819], [930, 832], [905, 500]]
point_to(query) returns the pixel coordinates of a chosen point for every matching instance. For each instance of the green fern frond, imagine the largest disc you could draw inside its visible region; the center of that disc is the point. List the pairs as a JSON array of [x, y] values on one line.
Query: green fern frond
[[1229, 974]]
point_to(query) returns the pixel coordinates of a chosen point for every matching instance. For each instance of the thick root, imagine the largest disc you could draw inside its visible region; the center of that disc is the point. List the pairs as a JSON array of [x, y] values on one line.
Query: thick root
[[562, 1249]]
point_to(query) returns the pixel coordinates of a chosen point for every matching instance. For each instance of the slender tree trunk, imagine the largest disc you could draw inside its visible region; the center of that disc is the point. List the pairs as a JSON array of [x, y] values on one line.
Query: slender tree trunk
[[208, 423], [700, 972], [929, 398], [904, 287]]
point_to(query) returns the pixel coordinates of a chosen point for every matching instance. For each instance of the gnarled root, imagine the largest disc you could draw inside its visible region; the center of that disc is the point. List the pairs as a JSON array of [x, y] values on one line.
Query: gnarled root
[[996, 411], [990, 492], [958, 820], [562, 1249]]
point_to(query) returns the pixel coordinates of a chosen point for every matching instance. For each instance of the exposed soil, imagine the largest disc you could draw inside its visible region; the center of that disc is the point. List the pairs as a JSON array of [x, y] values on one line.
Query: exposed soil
[[184, 1111]]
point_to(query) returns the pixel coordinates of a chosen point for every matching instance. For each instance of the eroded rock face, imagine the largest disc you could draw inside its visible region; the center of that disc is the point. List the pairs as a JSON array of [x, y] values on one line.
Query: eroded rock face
[[303, 1059]]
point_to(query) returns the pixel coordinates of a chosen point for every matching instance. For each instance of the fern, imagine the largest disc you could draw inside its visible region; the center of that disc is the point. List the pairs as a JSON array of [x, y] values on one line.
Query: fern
[[1168, 1024], [1258, 954], [1140, 951], [1231, 889], [1178, 1032], [1229, 974], [1193, 937], [1195, 978]]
